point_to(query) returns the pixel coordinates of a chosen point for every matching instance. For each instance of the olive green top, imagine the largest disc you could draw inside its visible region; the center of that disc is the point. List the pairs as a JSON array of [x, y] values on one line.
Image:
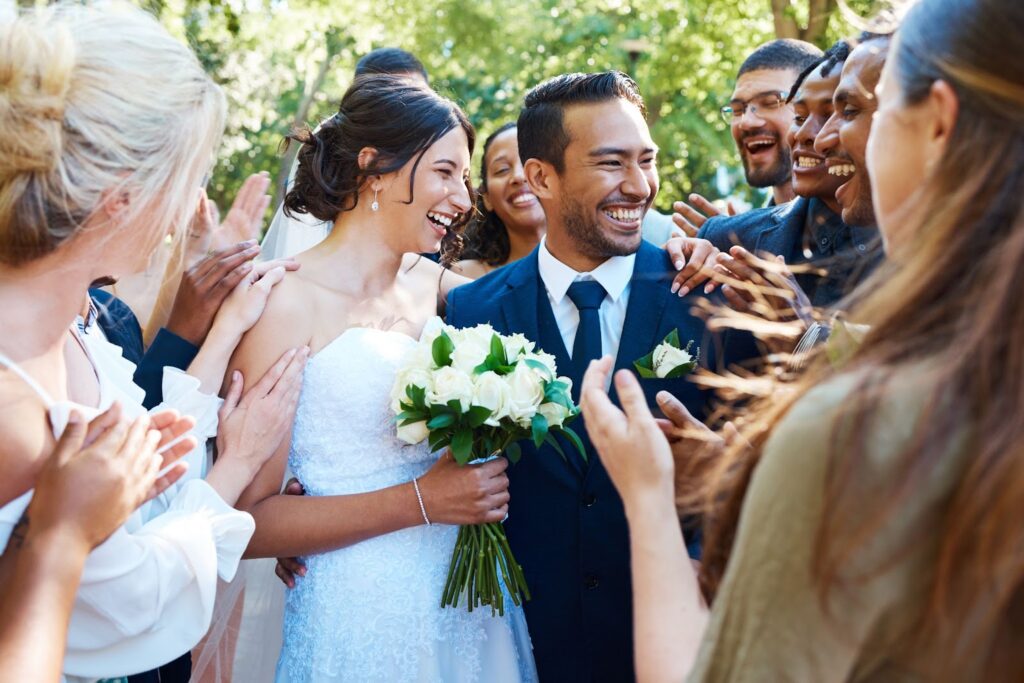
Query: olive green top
[[767, 622]]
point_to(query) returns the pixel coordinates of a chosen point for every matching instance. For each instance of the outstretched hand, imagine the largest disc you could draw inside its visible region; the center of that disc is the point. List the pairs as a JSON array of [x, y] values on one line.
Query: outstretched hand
[[690, 218], [629, 441]]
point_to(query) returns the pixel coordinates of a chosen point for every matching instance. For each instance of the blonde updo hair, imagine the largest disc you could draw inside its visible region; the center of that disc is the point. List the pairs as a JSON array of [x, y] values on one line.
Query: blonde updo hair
[[97, 101]]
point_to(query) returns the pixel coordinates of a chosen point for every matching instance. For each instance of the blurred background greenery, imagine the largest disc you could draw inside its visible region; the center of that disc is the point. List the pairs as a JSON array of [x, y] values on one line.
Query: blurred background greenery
[[283, 62]]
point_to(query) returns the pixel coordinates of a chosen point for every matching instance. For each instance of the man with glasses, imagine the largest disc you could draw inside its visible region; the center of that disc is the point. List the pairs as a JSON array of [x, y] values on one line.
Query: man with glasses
[[759, 120]]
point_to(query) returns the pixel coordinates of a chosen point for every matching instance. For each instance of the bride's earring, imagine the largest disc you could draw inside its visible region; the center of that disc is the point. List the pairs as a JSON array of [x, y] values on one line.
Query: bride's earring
[[376, 205]]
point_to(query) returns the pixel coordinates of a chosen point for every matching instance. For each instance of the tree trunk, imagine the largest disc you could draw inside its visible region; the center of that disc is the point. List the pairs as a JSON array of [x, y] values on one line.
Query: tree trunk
[[301, 117], [818, 14]]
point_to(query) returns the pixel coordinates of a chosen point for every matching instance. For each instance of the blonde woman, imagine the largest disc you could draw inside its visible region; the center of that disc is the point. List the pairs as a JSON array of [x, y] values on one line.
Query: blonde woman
[[109, 125]]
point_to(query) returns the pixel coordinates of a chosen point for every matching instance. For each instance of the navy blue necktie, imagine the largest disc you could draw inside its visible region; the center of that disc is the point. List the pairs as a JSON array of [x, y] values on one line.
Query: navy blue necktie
[[587, 295]]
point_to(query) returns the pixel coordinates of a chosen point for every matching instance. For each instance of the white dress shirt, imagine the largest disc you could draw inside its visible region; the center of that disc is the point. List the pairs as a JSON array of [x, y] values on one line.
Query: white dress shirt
[[614, 275], [147, 592]]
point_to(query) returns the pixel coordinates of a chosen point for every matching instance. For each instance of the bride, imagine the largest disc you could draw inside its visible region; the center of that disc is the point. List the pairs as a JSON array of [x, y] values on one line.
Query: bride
[[377, 525]]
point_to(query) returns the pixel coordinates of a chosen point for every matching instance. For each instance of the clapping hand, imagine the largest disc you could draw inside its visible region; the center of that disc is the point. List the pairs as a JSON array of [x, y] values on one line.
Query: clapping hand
[[100, 472], [690, 219], [206, 285], [242, 223]]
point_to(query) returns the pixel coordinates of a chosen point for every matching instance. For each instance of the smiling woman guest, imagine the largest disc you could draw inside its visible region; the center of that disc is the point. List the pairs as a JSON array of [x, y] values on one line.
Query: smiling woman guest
[[510, 222]]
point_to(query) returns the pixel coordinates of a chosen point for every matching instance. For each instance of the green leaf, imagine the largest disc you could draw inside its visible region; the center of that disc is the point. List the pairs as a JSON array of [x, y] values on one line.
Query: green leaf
[[462, 446], [681, 370], [442, 349], [416, 394], [644, 371], [441, 421], [476, 416], [575, 439], [498, 351], [550, 439], [539, 429], [513, 452], [540, 367], [672, 339]]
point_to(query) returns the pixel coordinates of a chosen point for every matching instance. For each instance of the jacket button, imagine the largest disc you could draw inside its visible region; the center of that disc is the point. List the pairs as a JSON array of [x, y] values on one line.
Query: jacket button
[[589, 500], [591, 582]]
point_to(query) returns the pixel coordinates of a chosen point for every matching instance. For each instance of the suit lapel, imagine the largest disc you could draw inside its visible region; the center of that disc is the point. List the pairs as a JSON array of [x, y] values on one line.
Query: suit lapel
[[519, 301], [523, 305], [648, 295]]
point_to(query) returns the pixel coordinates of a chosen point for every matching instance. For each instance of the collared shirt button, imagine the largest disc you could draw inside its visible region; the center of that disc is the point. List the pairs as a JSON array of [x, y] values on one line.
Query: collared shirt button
[[589, 500], [591, 582], [862, 247]]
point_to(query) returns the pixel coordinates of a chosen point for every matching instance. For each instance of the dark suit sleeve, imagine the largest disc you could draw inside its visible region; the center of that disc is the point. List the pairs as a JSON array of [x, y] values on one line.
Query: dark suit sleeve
[[119, 324], [167, 349]]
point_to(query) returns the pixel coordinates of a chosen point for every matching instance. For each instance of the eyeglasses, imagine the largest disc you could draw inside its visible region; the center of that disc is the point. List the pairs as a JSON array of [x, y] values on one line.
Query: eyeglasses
[[767, 103]]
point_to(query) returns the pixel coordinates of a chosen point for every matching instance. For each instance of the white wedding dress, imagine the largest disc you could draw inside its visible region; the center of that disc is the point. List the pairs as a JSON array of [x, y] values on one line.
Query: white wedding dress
[[371, 612]]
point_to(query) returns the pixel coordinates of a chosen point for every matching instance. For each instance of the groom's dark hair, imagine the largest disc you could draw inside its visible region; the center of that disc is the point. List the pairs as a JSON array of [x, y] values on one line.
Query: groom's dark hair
[[541, 128]]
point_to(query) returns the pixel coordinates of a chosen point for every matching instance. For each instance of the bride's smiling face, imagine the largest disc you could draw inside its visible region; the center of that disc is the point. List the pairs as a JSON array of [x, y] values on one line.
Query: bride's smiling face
[[440, 194]]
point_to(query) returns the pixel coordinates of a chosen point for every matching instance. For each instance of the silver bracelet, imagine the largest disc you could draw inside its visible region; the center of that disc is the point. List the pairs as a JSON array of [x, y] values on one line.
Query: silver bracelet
[[419, 497]]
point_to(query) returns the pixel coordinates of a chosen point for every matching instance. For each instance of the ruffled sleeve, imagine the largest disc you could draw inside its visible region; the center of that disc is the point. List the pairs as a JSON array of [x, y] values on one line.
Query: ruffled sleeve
[[147, 596]]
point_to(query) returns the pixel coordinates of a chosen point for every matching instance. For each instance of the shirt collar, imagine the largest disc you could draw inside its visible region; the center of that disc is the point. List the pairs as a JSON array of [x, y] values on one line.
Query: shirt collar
[[614, 274]]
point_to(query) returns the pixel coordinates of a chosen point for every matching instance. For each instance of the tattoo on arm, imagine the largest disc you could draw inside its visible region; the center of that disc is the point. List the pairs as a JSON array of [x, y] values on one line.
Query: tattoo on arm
[[18, 534]]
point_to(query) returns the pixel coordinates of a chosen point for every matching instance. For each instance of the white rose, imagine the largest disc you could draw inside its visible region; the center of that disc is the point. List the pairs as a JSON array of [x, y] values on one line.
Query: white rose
[[667, 358], [492, 392], [527, 392], [470, 352], [409, 376], [421, 356], [413, 433], [451, 384], [480, 334], [515, 344], [554, 412]]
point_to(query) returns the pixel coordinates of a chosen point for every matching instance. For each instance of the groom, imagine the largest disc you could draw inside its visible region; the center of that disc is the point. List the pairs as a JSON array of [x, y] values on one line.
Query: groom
[[592, 287]]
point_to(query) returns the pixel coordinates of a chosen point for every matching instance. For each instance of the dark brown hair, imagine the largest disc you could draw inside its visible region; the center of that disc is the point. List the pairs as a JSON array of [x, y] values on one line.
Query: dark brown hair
[[542, 133], [398, 117]]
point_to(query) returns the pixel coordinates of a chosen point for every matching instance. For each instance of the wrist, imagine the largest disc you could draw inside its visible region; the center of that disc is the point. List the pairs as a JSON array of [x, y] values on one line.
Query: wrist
[[651, 503], [73, 542]]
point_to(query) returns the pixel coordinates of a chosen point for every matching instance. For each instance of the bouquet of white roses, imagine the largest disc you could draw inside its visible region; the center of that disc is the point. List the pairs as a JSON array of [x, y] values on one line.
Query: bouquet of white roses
[[478, 393]]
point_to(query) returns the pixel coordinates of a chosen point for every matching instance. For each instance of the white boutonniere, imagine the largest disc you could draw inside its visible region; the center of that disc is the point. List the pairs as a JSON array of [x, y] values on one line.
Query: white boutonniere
[[668, 360]]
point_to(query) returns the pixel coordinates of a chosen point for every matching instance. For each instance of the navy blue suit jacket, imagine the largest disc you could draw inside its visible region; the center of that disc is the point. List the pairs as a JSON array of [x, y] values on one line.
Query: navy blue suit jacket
[[121, 328], [566, 522]]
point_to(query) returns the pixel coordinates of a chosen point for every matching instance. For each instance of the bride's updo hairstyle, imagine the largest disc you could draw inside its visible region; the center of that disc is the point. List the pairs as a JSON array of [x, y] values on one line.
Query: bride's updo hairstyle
[[398, 117], [98, 102]]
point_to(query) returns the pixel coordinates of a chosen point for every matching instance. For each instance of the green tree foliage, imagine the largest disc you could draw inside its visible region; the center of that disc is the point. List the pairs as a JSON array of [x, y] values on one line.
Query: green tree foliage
[[283, 62]]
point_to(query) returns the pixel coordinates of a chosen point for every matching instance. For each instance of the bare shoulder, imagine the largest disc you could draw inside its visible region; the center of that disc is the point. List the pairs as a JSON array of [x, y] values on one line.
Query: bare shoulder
[[27, 440], [471, 268], [286, 323], [432, 274]]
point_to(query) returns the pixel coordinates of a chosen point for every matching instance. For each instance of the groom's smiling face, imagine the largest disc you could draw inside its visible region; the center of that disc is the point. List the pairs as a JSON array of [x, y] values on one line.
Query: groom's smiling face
[[608, 182]]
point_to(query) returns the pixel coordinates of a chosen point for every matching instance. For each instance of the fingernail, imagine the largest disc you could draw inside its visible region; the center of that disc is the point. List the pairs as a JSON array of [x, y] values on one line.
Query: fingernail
[[679, 265], [675, 287], [237, 376], [707, 288], [74, 418], [661, 397], [302, 571], [684, 291]]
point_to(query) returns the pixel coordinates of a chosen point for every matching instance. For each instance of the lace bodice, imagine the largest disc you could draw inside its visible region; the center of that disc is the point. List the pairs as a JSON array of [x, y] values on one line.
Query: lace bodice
[[370, 612]]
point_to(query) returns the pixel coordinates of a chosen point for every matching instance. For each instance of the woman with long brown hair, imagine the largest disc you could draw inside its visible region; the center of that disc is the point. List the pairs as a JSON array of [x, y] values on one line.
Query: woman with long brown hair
[[868, 526]]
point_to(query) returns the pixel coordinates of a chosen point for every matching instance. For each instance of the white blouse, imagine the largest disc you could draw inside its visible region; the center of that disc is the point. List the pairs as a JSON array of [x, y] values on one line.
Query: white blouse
[[147, 592]]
